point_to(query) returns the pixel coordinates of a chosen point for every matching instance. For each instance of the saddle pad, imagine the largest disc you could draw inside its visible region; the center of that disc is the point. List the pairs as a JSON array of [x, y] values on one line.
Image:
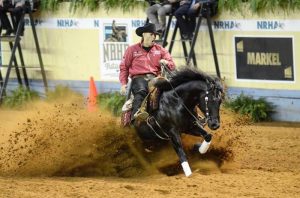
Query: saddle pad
[[125, 118]]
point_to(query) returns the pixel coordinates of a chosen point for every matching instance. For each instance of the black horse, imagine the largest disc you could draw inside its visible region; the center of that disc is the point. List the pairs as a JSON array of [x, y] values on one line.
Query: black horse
[[176, 113]]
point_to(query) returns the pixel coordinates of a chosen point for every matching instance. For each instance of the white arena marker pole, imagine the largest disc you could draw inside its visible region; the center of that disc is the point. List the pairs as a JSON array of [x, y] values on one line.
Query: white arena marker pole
[[204, 147], [186, 168]]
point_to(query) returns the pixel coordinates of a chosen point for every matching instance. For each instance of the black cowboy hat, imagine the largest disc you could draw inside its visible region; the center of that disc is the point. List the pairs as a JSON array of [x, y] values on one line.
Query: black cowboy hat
[[149, 27]]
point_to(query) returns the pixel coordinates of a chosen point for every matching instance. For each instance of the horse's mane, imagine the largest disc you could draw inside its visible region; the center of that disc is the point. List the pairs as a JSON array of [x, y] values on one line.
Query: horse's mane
[[182, 76]]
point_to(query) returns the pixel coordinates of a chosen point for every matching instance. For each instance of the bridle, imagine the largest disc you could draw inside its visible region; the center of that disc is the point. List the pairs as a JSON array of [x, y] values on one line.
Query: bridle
[[212, 88], [202, 121], [199, 121]]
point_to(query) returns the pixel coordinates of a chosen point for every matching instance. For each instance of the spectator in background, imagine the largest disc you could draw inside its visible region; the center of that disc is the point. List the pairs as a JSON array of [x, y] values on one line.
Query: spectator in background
[[15, 7], [157, 12], [141, 62], [186, 17]]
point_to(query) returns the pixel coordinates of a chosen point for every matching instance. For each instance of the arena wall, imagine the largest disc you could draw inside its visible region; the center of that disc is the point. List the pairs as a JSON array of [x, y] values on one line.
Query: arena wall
[[76, 46]]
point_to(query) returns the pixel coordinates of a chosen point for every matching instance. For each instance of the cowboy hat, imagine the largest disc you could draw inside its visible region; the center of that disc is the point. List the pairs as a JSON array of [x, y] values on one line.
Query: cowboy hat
[[149, 27]]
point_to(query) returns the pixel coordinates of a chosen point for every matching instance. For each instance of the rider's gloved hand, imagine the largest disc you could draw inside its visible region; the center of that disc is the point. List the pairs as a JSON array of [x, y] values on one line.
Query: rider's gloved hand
[[164, 62], [123, 89]]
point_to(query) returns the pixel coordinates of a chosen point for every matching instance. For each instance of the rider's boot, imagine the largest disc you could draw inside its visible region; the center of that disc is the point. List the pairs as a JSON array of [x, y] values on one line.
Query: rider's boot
[[141, 114], [138, 118]]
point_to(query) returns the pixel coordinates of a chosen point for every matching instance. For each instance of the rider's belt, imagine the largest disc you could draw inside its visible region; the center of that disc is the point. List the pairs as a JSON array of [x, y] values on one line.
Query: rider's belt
[[145, 76]]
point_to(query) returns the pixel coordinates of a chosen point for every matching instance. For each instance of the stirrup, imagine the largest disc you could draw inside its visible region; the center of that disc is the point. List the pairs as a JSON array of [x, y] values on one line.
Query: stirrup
[[141, 116]]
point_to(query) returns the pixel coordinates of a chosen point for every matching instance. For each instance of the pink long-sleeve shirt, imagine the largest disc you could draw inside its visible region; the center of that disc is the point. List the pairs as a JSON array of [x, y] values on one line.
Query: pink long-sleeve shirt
[[137, 61]]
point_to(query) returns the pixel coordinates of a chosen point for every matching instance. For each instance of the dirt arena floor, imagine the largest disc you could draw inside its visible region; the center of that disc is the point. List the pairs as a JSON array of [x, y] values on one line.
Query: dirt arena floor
[[59, 149]]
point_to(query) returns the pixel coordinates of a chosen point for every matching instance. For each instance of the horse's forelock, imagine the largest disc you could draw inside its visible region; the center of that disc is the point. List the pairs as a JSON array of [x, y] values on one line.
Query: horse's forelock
[[218, 84]]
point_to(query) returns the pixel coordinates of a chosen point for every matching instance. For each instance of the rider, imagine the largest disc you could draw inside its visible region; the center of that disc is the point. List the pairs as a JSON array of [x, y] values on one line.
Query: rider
[[141, 62]]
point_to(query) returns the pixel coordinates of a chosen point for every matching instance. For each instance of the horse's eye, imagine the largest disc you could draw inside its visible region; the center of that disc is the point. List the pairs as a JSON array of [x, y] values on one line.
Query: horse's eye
[[218, 95], [222, 95]]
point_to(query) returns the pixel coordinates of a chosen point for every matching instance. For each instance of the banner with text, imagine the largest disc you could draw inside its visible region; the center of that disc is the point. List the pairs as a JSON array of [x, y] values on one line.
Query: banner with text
[[264, 58]]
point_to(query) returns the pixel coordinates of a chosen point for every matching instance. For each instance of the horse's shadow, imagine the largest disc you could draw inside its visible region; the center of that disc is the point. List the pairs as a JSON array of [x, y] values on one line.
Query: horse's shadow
[[161, 155]]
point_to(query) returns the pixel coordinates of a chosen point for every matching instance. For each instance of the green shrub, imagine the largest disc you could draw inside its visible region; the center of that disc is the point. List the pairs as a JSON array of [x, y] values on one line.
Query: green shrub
[[259, 6], [112, 101], [92, 5], [256, 109], [60, 91], [256, 6], [20, 96]]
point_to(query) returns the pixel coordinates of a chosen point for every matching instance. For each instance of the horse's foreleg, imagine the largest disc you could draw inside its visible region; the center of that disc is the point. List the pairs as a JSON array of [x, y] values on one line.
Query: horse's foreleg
[[176, 142], [199, 131]]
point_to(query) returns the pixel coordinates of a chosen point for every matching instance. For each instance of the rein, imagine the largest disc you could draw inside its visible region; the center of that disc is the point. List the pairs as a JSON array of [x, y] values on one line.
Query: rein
[[200, 122], [203, 121], [197, 122], [167, 137]]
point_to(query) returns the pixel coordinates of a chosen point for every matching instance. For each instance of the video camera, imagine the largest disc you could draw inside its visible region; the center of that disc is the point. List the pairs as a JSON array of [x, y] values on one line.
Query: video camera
[[209, 7], [7, 4], [151, 2], [33, 4]]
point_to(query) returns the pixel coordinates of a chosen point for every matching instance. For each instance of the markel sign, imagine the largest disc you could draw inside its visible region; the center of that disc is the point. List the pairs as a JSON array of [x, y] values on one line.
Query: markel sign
[[264, 58]]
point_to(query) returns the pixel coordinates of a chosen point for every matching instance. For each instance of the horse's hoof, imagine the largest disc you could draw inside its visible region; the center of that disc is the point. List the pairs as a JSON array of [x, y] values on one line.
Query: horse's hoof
[[148, 150]]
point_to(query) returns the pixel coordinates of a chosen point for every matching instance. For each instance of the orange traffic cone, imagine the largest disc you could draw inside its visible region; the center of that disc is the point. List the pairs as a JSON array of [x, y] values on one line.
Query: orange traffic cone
[[92, 99]]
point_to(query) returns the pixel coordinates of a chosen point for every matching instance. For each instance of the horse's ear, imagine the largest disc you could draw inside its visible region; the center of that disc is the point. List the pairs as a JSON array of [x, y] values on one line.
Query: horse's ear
[[219, 83], [210, 84], [208, 81]]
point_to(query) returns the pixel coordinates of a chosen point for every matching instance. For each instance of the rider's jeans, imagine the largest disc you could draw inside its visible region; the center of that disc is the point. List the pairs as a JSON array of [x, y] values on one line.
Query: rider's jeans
[[139, 90]]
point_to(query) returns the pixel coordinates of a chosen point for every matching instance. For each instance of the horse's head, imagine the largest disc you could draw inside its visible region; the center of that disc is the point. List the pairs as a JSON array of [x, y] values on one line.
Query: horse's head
[[196, 88], [210, 103]]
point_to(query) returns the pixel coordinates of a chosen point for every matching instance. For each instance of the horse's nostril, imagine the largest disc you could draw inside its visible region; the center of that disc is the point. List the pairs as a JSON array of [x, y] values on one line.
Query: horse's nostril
[[215, 126]]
